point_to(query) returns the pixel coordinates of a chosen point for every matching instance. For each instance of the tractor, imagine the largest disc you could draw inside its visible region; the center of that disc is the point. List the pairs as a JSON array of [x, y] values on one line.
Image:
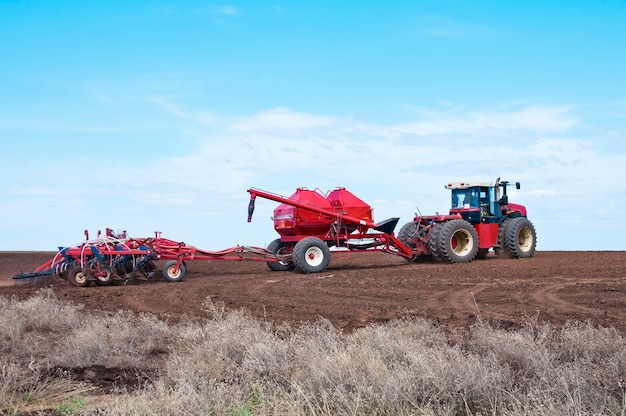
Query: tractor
[[480, 218]]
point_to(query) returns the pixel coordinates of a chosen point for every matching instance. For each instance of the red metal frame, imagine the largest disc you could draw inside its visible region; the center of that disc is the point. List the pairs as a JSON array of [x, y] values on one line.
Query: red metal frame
[[109, 249]]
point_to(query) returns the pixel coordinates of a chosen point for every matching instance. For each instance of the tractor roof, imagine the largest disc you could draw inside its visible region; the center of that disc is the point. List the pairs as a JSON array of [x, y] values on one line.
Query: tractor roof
[[466, 185]]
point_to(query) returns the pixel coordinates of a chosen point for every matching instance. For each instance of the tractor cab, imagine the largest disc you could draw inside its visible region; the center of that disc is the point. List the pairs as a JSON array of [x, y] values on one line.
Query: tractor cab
[[479, 202]]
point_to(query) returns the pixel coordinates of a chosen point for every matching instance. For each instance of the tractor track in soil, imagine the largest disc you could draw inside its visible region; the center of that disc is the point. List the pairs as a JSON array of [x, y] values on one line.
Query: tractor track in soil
[[555, 287]]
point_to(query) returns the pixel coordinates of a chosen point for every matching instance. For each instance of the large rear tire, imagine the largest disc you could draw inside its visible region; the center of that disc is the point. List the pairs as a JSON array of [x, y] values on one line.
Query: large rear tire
[[521, 238], [171, 275], [458, 241], [311, 255], [500, 249], [281, 249]]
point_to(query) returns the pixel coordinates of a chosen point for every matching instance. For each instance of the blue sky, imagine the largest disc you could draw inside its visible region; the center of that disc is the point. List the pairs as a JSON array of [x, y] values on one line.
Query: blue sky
[[159, 115]]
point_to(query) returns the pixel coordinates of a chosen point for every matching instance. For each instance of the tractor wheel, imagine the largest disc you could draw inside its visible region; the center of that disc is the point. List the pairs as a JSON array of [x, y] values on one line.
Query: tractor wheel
[[500, 249], [280, 249], [407, 234], [458, 241], [520, 238], [433, 241], [107, 279], [170, 275], [311, 255], [77, 277]]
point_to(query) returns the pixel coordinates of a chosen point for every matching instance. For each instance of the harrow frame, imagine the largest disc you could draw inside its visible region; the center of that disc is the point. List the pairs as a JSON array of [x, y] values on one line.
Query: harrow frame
[[109, 256]]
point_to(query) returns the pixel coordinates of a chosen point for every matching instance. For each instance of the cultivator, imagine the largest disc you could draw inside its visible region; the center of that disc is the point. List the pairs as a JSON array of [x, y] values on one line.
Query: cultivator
[[115, 256]]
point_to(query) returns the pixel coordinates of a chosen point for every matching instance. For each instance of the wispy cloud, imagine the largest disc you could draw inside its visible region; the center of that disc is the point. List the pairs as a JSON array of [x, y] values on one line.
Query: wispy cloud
[[218, 14], [226, 10], [442, 26], [177, 110], [538, 118], [279, 119]]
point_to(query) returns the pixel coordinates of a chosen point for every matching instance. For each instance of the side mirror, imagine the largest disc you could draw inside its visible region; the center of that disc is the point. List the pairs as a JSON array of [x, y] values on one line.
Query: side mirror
[[517, 185]]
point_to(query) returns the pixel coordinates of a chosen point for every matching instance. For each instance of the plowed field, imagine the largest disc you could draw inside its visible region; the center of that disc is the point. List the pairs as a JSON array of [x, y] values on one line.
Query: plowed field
[[367, 288]]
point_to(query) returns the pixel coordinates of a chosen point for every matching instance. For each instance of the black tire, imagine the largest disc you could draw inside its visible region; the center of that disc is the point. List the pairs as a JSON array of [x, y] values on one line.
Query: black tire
[[457, 241], [407, 234], [107, 279], [78, 277], [168, 271], [482, 253], [311, 255], [521, 238], [283, 249], [433, 241], [500, 248]]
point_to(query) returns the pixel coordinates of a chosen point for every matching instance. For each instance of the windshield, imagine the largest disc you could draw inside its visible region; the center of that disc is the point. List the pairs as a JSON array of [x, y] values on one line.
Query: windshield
[[464, 198]]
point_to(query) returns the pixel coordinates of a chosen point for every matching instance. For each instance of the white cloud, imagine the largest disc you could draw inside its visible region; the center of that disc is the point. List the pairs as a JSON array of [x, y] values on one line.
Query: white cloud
[[537, 118], [225, 10], [216, 12], [279, 119], [198, 190], [542, 192], [201, 117]]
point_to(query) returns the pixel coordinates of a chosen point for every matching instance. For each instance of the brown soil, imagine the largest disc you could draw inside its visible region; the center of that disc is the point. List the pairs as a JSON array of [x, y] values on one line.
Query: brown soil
[[554, 287]]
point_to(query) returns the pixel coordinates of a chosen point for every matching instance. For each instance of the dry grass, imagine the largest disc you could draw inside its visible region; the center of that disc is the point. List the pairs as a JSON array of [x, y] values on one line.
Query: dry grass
[[232, 364]]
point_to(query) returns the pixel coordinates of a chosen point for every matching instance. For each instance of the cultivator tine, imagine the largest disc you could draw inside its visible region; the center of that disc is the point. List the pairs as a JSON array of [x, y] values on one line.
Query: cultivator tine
[[31, 275]]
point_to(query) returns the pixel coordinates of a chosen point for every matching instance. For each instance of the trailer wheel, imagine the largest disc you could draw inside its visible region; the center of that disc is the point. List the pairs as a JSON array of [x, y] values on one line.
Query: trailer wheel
[[458, 241], [105, 280], [170, 275], [280, 249], [433, 241], [311, 255], [77, 277], [521, 238], [482, 253]]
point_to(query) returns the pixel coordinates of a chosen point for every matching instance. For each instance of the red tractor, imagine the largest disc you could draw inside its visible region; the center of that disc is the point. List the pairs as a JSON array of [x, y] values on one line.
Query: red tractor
[[480, 218]]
